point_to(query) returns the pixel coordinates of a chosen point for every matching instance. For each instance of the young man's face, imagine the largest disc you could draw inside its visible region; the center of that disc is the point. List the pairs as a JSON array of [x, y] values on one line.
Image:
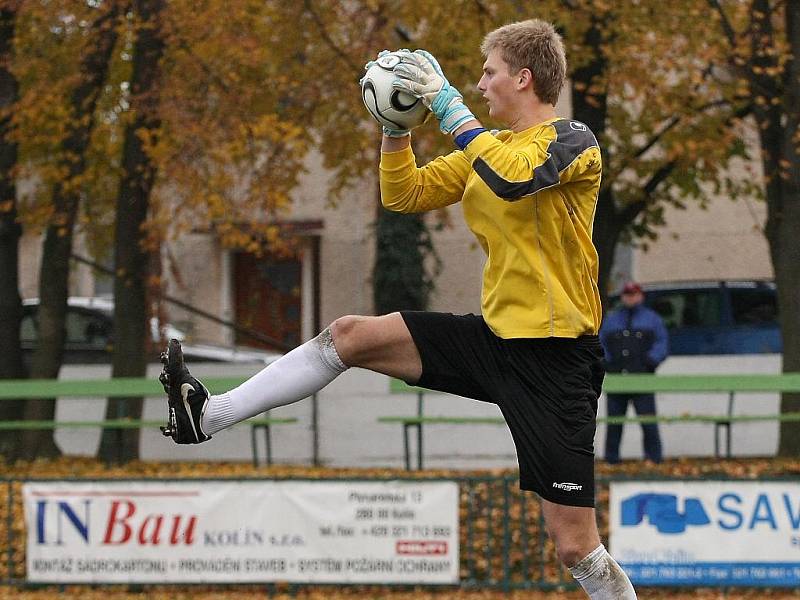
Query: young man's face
[[498, 86]]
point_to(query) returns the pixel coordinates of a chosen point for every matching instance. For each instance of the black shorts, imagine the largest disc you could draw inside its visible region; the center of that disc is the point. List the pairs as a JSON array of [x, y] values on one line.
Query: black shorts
[[546, 388]]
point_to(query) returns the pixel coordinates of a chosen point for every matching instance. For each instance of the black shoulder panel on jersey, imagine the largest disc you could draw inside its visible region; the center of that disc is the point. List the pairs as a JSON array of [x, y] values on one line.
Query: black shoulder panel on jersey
[[572, 138]]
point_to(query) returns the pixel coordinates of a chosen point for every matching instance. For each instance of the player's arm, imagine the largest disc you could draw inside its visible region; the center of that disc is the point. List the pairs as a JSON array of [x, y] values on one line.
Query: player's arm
[[395, 144], [407, 188]]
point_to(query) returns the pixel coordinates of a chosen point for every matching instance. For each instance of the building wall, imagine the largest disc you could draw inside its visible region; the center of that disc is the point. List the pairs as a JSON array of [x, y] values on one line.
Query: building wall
[[81, 279], [193, 268], [347, 239], [724, 240]]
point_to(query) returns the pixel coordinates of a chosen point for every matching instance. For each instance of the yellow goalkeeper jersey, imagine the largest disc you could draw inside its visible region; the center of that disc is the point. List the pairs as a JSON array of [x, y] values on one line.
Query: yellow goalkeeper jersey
[[529, 197]]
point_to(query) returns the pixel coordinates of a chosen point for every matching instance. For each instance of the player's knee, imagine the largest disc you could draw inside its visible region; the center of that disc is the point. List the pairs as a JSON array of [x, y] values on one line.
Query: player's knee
[[569, 552], [345, 338]]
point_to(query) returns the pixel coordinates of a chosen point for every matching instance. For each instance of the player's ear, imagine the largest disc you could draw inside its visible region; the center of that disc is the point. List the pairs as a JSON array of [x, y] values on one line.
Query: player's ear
[[524, 78]]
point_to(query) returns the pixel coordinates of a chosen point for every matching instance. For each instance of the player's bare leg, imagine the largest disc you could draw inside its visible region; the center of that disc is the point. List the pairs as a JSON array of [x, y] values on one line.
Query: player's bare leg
[[573, 529], [382, 344]]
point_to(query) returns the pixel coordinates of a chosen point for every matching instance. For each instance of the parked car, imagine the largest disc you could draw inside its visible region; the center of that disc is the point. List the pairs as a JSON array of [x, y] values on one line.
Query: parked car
[[717, 317], [90, 336]]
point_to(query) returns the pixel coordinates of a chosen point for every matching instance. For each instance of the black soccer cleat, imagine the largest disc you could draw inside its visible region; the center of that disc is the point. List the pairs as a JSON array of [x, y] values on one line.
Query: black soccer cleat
[[187, 398]]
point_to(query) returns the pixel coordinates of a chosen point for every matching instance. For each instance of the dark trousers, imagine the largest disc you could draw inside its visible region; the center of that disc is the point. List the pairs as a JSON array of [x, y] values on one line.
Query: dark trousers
[[645, 404]]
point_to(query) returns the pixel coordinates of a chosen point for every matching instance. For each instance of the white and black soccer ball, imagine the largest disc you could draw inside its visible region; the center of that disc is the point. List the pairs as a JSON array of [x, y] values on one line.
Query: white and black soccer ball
[[390, 107]]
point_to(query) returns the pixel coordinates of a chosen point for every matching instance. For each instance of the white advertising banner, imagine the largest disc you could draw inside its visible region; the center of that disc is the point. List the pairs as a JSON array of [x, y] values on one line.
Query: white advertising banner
[[249, 531], [707, 532]]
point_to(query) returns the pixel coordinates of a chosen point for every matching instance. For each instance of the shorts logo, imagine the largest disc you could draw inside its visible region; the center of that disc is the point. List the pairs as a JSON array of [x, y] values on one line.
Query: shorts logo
[[567, 487]]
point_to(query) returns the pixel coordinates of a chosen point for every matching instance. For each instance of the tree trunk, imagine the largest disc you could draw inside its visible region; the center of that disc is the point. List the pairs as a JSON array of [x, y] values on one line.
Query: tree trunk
[[590, 106], [11, 366], [785, 253], [784, 226], [130, 256], [54, 274]]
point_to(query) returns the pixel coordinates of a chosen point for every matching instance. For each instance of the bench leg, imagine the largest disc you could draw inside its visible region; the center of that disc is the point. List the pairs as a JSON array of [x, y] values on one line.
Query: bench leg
[[730, 425], [717, 426], [419, 446], [268, 444], [406, 448], [728, 441], [253, 444]]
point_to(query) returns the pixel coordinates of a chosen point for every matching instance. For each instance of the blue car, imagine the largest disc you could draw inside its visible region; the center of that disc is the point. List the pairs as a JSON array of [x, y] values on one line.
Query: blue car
[[717, 317]]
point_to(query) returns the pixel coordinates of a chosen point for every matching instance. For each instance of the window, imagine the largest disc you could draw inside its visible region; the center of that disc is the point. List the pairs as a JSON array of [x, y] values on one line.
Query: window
[[29, 328], [688, 308], [754, 307], [87, 330]]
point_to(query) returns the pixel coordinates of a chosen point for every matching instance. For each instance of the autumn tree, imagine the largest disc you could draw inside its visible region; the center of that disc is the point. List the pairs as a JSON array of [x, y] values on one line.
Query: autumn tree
[[209, 147], [11, 366], [131, 258], [761, 58], [93, 43]]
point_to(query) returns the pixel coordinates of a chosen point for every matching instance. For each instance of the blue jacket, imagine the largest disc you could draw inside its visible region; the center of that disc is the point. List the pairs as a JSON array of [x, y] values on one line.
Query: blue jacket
[[634, 340]]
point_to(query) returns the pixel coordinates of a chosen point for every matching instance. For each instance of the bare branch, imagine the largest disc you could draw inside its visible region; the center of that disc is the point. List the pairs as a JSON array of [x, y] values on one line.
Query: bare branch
[[482, 8], [730, 33], [328, 39], [671, 124], [668, 126]]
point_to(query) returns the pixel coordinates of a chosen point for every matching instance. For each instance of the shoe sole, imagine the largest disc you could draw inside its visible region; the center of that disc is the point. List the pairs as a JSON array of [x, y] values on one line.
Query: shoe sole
[[173, 363], [174, 368]]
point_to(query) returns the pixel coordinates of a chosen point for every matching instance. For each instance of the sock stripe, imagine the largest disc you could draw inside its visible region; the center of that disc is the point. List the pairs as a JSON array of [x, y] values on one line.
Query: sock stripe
[[328, 354], [219, 414]]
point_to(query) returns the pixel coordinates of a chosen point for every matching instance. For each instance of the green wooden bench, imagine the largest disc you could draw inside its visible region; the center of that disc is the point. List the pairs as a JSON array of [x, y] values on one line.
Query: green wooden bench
[[396, 386], [262, 424], [631, 383], [122, 387]]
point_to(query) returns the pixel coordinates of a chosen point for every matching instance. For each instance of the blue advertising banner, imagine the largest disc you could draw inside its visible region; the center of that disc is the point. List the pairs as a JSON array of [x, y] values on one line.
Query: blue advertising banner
[[714, 533]]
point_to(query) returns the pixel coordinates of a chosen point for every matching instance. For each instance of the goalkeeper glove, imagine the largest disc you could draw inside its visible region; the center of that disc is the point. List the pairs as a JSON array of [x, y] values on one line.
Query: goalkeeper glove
[[420, 75]]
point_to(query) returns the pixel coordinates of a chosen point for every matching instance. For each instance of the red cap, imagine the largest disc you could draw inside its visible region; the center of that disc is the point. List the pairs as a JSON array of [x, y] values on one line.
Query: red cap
[[631, 287]]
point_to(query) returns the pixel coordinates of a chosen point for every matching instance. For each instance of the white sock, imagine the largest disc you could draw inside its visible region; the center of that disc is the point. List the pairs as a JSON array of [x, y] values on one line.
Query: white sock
[[602, 578], [294, 376]]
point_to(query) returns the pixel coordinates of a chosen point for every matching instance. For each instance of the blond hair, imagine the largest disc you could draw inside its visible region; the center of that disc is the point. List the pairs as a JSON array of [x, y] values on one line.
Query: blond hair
[[535, 45]]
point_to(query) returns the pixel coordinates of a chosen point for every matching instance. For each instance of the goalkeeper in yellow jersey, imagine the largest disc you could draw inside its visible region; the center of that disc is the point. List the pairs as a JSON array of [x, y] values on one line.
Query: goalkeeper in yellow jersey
[[529, 195]]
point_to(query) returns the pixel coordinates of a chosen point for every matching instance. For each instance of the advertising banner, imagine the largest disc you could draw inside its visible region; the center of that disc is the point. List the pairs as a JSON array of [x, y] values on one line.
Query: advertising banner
[[714, 533], [249, 531]]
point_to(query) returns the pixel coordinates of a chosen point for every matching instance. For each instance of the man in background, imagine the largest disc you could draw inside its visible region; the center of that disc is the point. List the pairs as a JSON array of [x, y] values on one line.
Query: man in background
[[635, 341]]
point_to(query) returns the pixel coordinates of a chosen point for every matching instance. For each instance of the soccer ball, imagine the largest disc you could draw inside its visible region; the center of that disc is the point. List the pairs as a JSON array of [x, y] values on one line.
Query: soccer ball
[[391, 108]]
